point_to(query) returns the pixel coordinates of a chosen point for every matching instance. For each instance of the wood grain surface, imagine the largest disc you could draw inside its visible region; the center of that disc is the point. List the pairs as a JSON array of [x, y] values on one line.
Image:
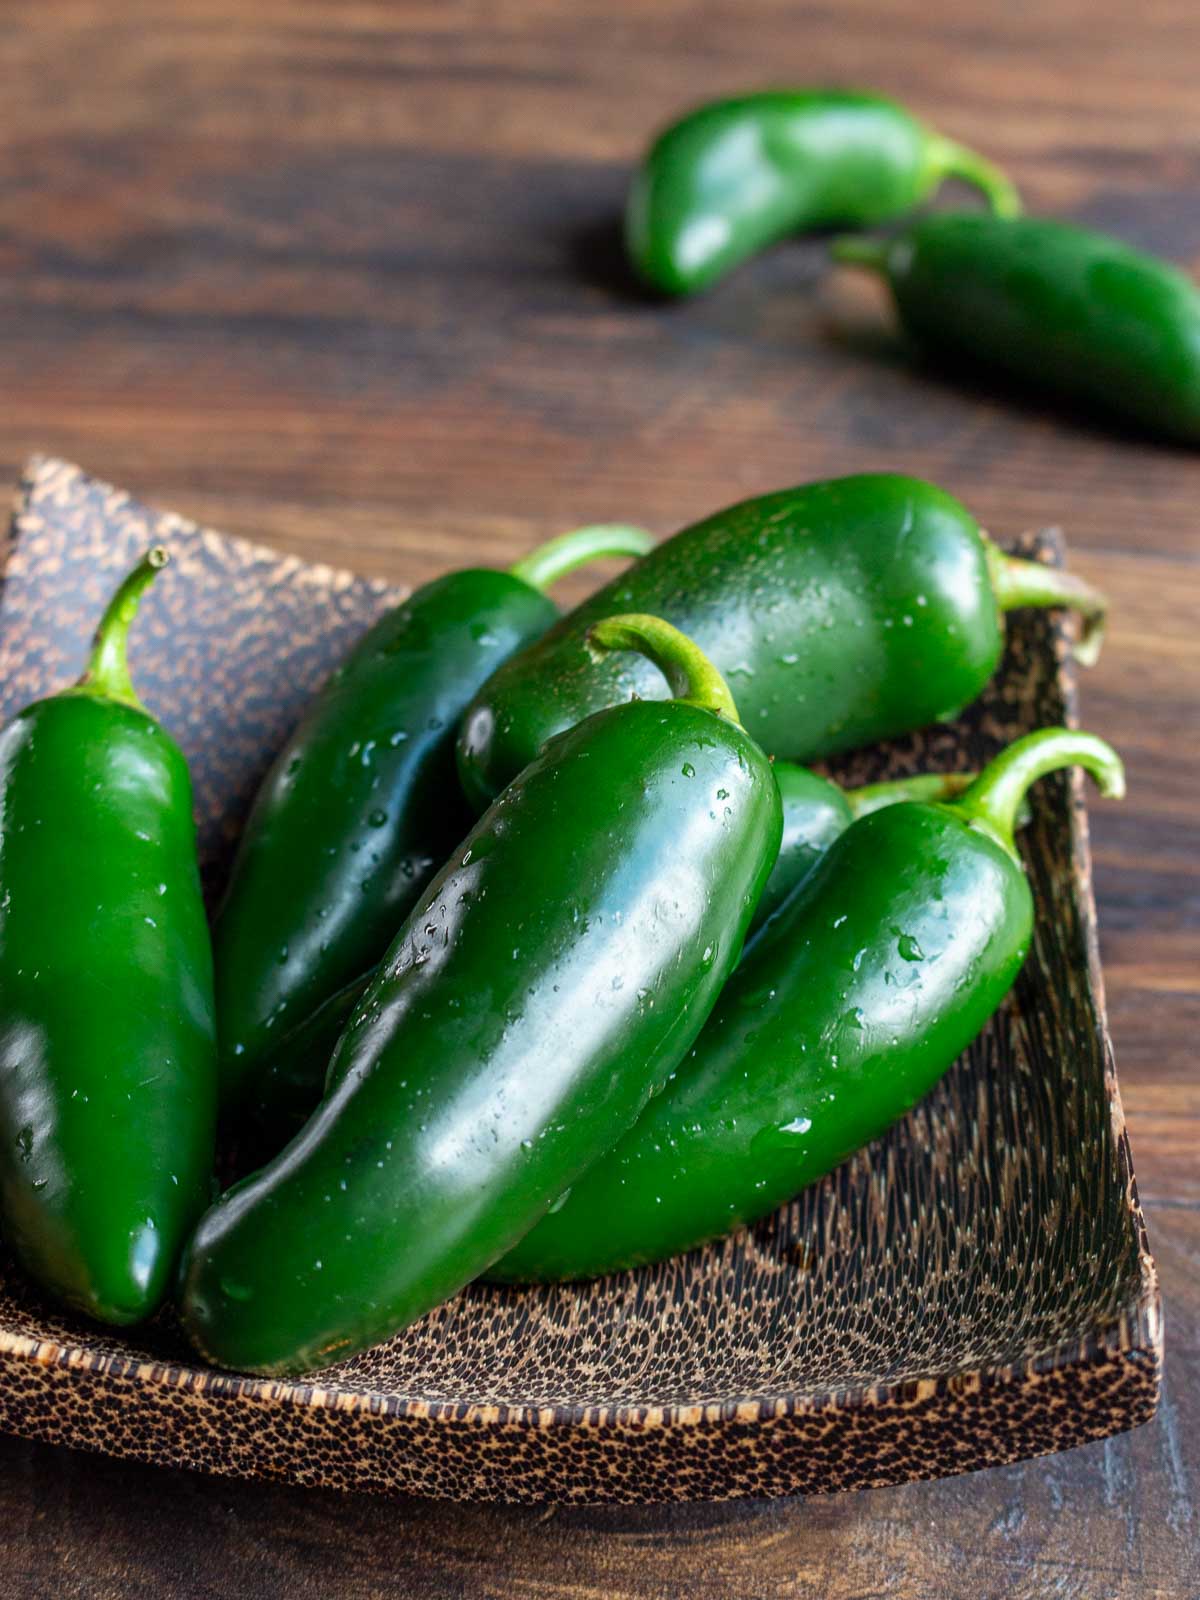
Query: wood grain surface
[[343, 277]]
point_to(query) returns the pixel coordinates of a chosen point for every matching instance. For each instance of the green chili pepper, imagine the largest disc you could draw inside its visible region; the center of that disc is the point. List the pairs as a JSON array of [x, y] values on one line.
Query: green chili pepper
[[547, 983], [878, 971], [107, 1038], [842, 613], [291, 1076], [816, 812], [737, 175], [362, 804], [1057, 307]]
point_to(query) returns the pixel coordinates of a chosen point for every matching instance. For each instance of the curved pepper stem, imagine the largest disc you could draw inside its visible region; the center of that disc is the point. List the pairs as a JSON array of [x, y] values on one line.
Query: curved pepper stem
[[924, 786], [929, 788], [1018, 583], [996, 796], [690, 674], [553, 560], [856, 250], [107, 674], [945, 158]]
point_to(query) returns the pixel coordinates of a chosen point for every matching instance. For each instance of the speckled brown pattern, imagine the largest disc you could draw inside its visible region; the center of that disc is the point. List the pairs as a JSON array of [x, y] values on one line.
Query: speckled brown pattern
[[231, 640], [974, 1288]]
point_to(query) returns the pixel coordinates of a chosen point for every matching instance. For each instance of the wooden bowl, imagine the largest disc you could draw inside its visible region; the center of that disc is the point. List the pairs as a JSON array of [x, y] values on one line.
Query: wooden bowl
[[972, 1289]]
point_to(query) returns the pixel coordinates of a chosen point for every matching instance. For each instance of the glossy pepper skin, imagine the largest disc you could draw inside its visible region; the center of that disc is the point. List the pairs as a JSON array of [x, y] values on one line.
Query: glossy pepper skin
[[842, 612], [735, 176], [816, 812], [362, 804], [292, 1075], [1059, 308], [548, 982], [863, 989], [107, 1038]]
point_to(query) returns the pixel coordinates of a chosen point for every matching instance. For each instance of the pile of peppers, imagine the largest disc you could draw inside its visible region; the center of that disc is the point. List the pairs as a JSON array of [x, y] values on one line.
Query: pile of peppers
[[542, 954], [545, 953]]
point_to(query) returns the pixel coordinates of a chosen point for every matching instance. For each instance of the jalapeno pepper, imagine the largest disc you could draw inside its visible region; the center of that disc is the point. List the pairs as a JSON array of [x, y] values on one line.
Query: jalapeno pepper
[[546, 984], [842, 612], [362, 804], [816, 812], [291, 1076], [1059, 308], [107, 1037], [737, 175], [862, 990]]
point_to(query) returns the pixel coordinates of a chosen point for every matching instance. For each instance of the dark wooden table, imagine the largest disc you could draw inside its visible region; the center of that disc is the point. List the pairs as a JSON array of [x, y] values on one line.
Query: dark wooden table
[[344, 278]]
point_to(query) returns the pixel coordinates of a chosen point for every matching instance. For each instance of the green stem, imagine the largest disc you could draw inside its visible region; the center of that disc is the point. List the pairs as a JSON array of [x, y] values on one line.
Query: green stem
[[929, 788], [924, 786], [855, 250], [554, 559], [107, 674], [690, 675], [947, 159], [997, 793], [1031, 583]]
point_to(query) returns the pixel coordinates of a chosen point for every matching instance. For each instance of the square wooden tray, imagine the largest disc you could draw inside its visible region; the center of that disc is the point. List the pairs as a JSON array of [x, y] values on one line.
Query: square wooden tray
[[972, 1289]]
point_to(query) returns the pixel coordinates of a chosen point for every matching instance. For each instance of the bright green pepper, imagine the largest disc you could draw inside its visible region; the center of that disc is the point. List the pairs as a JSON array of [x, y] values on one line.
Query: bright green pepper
[[737, 175], [863, 989], [291, 1076], [107, 1036], [546, 984], [1060, 309], [362, 805], [842, 613]]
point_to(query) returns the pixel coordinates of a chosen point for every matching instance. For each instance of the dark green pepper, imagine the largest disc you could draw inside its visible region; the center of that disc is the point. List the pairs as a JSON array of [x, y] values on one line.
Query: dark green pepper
[[548, 982], [863, 989], [737, 175], [107, 1038], [816, 812], [362, 804], [291, 1076], [841, 612], [1059, 308]]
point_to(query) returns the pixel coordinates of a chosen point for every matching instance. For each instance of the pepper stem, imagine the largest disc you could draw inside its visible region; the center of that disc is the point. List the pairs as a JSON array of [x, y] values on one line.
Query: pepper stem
[[1030, 583], [856, 251], [554, 559], [996, 795], [924, 786], [689, 673], [929, 788], [107, 674], [948, 159]]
